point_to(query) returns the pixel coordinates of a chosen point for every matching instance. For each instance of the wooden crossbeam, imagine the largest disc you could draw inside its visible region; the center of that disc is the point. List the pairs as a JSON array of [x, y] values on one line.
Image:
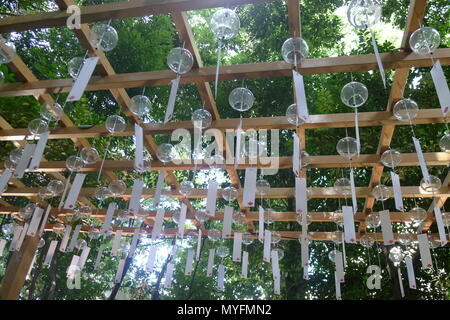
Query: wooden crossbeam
[[357, 63]]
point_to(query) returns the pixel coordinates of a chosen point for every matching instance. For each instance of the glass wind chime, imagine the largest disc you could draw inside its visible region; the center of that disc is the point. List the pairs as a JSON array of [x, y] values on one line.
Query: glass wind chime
[[7, 54]]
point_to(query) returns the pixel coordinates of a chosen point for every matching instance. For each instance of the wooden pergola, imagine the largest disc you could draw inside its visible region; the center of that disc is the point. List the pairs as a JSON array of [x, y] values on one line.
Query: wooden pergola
[[42, 90]]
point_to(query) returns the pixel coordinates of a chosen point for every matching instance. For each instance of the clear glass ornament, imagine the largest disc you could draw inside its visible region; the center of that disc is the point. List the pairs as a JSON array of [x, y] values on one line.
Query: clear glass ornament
[[41, 243], [247, 238], [275, 237], [101, 193], [103, 37], [336, 237], [2, 78], [146, 167], [201, 118], [89, 155], [81, 244], [280, 253], [444, 143], [117, 188], [180, 60], [15, 155], [85, 211], [201, 216], [380, 192], [229, 193], [364, 14], [292, 115], [76, 216], [8, 229], [417, 215], [424, 40], [293, 50], [347, 147], [338, 218], [404, 239], [269, 216], [238, 218], [434, 243], [332, 255], [7, 51], [367, 240], [396, 255], [405, 110], [241, 99], [262, 187], [42, 193], [446, 218], [391, 158], [299, 218], [214, 235], [51, 111], [8, 164], [55, 187], [74, 66], [373, 220], [37, 126], [305, 158], [166, 152], [223, 251], [24, 213], [140, 105], [115, 124], [433, 184], [343, 186], [74, 163], [186, 188], [354, 94], [225, 24]]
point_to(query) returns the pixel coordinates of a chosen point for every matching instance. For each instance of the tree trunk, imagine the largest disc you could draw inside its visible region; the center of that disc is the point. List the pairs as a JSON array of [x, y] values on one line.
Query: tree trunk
[[155, 293]]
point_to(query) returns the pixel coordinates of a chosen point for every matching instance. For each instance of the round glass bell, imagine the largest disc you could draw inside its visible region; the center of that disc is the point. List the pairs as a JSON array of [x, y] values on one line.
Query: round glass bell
[[51, 111], [417, 214], [396, 255], [338, 218], [186, 188], [146, 166], [42, 193], [347, 147], [336, 237], [247, 238], [223, 251], [180, 60], [15, 155], [343, 186], [201, 216], [74, 163], [101, 193], [364, 14], [140, 105], [280, 253], [24, 213], [115, 124], [275, 237], [367, 240], [41, 243], [432, 184], [117, 188], [74, 66], [424, 40], [229, 194], [444, 143], [293, 50], [89, 155], [354, 94], [405, 110], [103, 37], [381, 192], [332, 255], [241, 99], [2, 78], [37, 126], [269, 216], [391, 158], [214, 235], [292, 115], [404, 239], [305, 158], [262, 187], [238, 218], [166, 152], [201, 118], [7, 51], [373, 220], [81, 244], [55, 187], [225, 24]]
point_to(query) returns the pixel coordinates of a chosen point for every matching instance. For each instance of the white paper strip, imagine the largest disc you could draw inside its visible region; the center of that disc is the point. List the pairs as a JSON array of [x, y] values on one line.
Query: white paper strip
[[338, 286], [424, 249], [28, 151], [65, 238], [4, 178], [227, 216], [358, 140], [244, 264], [352, 185], [296, 158], [411, 275], [440, 225], [151, 258], [423, 165], [139, 151], [211, 198], [339, 266], [2, 246], [276, 286], [349, 224], [440, 83], [157, 226], [16, 235], [73, 266], [159, 187], [386, 227], [83, 257], [301, 204], [50, 253], [74, 239], [267, 243], [261, 224], [134, 242], [209, 270], [39, 151], [108, 218], [275, 265], [398, 197], [400, 281], [72, 197], [172, 99], [22, 237], [220, 278], [237, 247], [378, 58], [238, 148], [302, 107], [119, 271], [306, 273], [304, 242], [136, 194], [182, 220], [35, 220], [116, 243], [189, 262], [168, 276], [249, 187], [199, 244], [99, 256], [44, 220], [63, 196], [83, 79]]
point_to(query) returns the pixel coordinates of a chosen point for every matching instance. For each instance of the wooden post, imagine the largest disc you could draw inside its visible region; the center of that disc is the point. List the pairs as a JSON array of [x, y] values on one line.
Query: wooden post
[[17, 269]]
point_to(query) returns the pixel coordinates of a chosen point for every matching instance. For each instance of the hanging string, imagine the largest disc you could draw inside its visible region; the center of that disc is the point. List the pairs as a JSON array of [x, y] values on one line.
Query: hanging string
[[218, 68]]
